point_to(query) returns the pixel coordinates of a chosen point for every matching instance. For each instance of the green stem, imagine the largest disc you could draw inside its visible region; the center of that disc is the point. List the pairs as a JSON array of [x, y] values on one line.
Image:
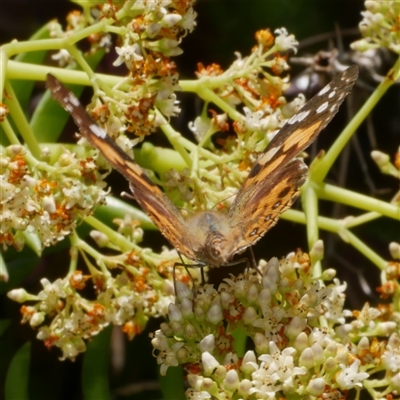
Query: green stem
[[26, 71], [122, 243], [321, 168], [310, 205], [174, 138], [9, 131], [357, 200], [349, 237], [21, 122], [3, 70]]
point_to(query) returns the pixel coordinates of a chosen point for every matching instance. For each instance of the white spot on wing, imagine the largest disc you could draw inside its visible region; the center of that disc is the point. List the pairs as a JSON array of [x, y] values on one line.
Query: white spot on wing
[[99, 132], [331, 94], [298, 117], [324, 90], [269, 154], [73, 100], [322, 107]]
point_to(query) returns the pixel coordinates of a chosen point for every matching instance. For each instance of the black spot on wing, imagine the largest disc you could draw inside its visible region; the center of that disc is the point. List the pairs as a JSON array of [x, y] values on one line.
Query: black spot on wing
[[255, 170], [284, 192]]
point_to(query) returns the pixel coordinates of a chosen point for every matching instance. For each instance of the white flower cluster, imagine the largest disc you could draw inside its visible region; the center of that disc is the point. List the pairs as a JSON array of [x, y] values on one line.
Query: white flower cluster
[[48, 201], [148, 33], [302, 344], [65, 319], [380, 26]]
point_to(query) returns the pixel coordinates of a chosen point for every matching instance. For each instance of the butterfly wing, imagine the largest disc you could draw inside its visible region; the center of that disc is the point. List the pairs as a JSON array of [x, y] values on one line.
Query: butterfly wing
[[273, 183], [149, 196], [302, 129]]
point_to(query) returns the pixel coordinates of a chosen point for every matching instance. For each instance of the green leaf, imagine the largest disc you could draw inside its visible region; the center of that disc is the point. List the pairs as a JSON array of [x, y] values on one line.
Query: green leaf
[[4, 324], [23, 88], [116, 208], [17, 379], [95, 378], [172, 384], [19, 266]]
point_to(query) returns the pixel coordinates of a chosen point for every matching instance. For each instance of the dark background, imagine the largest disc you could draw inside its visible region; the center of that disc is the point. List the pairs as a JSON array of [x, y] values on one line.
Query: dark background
[[224, 26]]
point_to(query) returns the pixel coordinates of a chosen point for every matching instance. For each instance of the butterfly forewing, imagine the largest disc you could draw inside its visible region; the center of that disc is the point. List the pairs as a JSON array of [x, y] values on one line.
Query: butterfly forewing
[[149, 196], [274, 181], [302, 129]]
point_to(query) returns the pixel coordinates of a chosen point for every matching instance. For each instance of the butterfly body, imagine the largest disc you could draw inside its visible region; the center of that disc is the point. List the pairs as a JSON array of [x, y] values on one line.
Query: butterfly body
[[272, 186], [212, 238]]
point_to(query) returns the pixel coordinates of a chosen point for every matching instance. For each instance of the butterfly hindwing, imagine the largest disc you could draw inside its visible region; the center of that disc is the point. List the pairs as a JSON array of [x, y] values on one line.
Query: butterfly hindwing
[[260, 211]]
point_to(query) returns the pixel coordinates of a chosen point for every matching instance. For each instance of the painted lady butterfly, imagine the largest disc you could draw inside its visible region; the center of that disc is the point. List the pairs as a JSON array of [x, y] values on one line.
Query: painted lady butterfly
[[209, 237]]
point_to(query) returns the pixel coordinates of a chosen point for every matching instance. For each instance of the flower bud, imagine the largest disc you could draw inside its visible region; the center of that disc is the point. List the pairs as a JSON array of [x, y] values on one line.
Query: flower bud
[[19, 295], [307, 358], [220, 373], [183, 291], [328, 274], [261, 343], [166, 329], [226, 299], [330, 365], [174, 313], [170, 20], [385, 328], [301, 342], [209, 362], [214, 314], [249, 362], [244, 387], [49, 204], [395, 382], [317, 251], [207, 344], [394, 249], [177, 327], [231, 381], [187, 308], [252, 293], [249, 315], [295, 327], [316, 386], [37, 319], [318, 353], [264, 298], [190, 332], [100, 238]]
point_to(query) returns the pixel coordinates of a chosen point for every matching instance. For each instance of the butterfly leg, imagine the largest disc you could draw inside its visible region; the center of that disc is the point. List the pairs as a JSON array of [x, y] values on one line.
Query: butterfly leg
[[253, 261], [183, 264]]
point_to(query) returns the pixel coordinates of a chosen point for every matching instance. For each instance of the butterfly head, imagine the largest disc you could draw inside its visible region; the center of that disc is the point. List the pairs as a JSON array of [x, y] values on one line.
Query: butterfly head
[[213, 238]]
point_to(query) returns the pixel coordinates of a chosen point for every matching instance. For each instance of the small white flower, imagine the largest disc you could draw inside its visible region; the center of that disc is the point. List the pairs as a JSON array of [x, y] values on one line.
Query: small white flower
[[350, 376], [127, 55], [188, 21], [391, 356], [64, 58], [253, 120], [284, 41]]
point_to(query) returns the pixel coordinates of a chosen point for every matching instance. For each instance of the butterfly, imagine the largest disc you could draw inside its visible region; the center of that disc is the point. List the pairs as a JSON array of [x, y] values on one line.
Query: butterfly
[[211, 238]]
